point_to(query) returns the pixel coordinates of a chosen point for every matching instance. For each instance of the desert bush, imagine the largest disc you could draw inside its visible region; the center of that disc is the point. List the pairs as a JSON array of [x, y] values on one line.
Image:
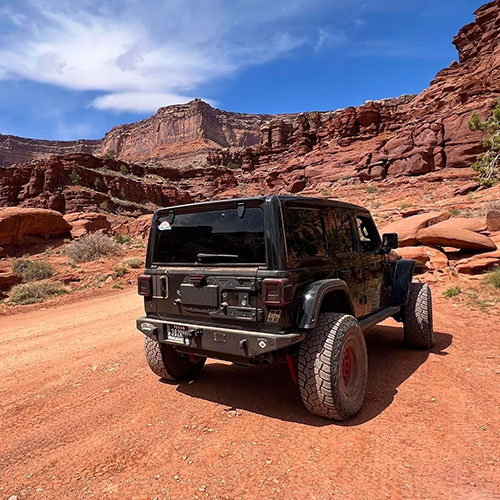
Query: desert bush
[[371, 189], [121, 270], [110, 154], [91, 247], [35, 291], [99, 185], [487, 164], [124, 169], [452, 292], [122, 238], [493, 278], [32, 270], [133, 262], [75, 178]]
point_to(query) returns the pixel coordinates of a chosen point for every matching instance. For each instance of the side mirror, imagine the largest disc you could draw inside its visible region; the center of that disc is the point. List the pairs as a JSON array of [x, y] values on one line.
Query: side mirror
[[390, 241]]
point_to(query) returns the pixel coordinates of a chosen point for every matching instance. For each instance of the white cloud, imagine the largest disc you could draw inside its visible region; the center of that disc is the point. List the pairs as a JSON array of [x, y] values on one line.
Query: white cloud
[[140, 101], [141, 57], [327, 39]]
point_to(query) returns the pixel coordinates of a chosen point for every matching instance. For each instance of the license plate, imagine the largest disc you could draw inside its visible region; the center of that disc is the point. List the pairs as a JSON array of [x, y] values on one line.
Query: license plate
[[176, 333]]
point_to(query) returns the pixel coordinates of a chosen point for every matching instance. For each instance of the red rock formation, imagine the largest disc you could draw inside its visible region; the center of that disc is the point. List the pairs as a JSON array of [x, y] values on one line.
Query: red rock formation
[[28, 225], [175, 130], [15, 149]]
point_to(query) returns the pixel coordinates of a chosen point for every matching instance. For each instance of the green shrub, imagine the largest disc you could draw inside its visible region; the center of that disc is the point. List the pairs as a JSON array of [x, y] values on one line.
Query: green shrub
[[75, 178], [454, 212], [486, 164], [32, 270], [124, 169], [110, 154], [91, 247], [232, 165], [452, 292], [493, 278], [122, 238], [121, 270], [371, 189], [133, 262], [36, 291], [99, 185]]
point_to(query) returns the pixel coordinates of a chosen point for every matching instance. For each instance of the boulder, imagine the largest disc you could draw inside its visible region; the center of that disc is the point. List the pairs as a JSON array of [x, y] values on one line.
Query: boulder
[[137, 227], [476, 224], [89, 222], [8, 279], [493, 220], [447, 233], [478, 263], [408, 227], [28, 225], [426, 257]]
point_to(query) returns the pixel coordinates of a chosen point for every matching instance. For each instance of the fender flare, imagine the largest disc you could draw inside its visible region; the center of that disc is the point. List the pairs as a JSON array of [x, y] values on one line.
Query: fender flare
[[313, 296], [403, 275]]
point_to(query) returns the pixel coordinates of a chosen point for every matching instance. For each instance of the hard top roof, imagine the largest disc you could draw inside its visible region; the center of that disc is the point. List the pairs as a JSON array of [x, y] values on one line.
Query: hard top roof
[[285, 199]]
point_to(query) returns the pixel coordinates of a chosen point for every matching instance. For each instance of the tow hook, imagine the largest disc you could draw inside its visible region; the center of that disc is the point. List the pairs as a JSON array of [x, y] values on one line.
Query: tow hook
[[190, 335]]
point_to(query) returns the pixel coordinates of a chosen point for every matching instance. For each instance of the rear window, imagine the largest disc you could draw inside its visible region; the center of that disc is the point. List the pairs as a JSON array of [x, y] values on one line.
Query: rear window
[[211, 237]]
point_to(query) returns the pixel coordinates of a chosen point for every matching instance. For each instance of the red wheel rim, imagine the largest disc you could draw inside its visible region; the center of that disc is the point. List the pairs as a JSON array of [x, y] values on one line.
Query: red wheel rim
[[348, 365]]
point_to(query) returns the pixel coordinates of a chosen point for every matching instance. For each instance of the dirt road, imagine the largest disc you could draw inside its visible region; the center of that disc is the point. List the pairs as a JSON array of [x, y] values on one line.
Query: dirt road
[[82, 416]]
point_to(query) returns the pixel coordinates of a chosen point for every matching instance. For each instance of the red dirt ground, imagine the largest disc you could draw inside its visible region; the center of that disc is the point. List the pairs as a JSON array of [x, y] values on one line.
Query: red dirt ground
[[82, 416]]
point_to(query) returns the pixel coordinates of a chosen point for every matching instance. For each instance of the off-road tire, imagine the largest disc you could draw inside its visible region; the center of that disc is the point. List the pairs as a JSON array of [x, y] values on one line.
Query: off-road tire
[[167, 363], [417, 318], [321, 367]]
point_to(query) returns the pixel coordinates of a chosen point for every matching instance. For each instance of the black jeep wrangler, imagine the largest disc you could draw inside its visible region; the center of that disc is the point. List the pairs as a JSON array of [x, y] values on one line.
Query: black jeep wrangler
[[257, 280]]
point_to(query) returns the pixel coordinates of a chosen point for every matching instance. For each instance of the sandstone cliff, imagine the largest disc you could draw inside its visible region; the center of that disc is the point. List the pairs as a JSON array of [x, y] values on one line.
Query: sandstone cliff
[[15, 149]]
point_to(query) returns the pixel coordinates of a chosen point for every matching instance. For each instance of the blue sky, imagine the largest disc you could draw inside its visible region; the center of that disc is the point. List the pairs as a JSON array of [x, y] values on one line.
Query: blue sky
[[73, 70]]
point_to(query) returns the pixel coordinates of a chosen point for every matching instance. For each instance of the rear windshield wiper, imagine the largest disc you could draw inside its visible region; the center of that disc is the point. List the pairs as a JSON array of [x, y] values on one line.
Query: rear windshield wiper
[[208, 256]]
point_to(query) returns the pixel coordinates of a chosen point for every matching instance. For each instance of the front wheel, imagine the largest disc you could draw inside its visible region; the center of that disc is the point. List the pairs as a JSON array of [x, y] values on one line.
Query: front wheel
[[333, 367], [418, 325], [169, 364]]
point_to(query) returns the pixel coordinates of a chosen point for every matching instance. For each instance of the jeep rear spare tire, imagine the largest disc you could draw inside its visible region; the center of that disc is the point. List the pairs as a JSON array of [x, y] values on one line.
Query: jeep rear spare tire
[[170, 364], [417, 317], [333, 367]]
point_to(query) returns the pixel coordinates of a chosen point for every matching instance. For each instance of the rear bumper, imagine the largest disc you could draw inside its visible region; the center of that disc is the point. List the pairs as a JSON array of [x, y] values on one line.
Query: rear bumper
[[222, 341]]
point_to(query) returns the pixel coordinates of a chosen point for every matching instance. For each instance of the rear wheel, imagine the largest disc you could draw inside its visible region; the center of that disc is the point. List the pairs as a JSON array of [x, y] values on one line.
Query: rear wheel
[[333, 367], [417, 317], [169, 364]]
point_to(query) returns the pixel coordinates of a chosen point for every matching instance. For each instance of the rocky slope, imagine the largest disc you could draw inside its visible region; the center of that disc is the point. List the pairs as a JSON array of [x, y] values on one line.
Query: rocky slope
[[184, 128], [15, 149]]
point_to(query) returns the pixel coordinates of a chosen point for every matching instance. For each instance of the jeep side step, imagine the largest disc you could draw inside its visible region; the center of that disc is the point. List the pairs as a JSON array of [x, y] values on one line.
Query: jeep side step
[[377, 317]]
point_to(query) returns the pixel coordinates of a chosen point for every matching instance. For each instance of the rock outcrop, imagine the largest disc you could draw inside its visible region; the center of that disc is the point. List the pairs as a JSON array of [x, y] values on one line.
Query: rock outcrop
[[15, 149], [27, 225], [409, 227], [89, 222]]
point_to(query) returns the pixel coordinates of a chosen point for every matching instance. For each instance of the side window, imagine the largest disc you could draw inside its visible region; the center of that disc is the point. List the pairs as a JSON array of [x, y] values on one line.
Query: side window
[[304, 233], [368, 234], [343, 237]]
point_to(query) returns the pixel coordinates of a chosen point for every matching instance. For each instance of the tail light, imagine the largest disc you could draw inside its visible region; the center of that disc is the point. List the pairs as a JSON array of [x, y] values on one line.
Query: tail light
[[277, 292], [144, 285]]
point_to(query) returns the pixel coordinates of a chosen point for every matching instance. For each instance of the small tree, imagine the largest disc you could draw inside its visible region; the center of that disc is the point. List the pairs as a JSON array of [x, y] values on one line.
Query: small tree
[[124, 169], [487, 163], [110, 154], [75, 178]]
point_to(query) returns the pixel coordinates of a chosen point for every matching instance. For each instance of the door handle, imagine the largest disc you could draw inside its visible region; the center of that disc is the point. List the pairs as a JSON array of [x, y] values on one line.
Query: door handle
[[163, 286]]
